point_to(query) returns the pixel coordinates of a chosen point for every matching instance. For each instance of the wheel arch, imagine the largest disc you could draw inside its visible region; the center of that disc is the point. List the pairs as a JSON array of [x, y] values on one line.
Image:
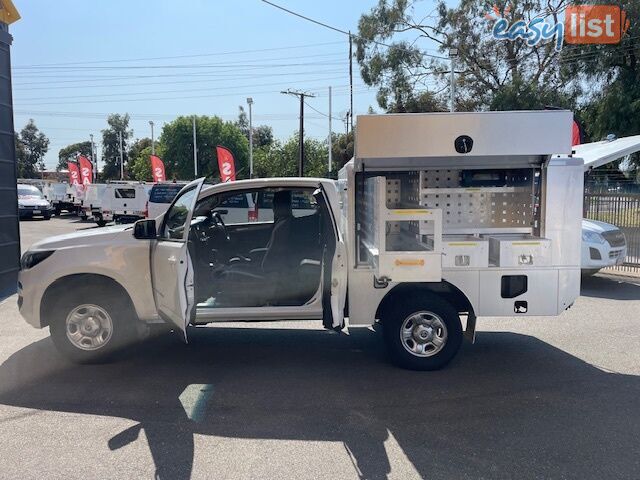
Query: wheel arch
[[445, 290], [68, 283]]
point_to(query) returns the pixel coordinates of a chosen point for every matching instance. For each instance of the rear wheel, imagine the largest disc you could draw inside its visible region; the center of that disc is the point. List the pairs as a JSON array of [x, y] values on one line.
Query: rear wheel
[[91, 324], [422, 333], [101, 222]]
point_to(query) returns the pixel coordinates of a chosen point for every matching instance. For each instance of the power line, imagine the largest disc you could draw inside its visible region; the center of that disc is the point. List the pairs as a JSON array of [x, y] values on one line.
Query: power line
[[344, 32], [236, 52]]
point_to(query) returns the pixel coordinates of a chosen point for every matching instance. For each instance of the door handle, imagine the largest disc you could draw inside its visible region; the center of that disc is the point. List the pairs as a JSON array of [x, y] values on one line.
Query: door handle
[[171, 259]]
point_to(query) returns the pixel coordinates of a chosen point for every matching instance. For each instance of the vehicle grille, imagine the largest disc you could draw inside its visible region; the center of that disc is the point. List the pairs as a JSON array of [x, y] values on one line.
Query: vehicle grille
[[615, 238]]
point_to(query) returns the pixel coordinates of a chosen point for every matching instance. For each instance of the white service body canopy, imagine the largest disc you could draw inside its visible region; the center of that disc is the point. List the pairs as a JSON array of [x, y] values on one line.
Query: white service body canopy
[[544, 132]]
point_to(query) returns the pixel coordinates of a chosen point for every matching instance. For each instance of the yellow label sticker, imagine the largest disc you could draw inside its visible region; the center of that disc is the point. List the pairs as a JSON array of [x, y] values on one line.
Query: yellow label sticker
[[418, 262], [412, 212]]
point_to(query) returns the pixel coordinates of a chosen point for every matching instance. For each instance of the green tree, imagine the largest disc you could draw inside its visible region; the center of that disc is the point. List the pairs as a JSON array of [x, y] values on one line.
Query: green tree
[[141, 165], [490, 73], [177, 142], [117, 124], [138, 145], [342, 151], [70, 152], [281, 159], [31, 147]]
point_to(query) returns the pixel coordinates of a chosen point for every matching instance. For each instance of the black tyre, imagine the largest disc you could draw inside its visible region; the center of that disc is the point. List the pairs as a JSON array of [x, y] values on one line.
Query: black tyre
[[93, 323], [47, 216], [101, 222], [422, 333]]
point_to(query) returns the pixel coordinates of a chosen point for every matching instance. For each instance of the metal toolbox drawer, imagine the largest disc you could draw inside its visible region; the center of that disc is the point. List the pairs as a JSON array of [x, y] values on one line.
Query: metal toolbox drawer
[[464, 251], [519, 251]]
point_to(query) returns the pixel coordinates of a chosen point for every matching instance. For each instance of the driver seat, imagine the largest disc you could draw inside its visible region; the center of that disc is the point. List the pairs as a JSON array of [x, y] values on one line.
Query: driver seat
[[253, 284]]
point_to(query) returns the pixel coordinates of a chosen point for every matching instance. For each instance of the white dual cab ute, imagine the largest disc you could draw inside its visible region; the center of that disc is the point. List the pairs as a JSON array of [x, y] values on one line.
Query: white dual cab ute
[[439, 218]]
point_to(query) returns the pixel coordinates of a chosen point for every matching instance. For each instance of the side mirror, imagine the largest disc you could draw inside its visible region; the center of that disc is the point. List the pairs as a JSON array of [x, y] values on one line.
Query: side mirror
[[145, 230]]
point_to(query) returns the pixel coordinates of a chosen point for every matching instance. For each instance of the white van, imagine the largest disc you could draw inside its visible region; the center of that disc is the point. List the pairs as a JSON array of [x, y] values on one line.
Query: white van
[[123, 202]]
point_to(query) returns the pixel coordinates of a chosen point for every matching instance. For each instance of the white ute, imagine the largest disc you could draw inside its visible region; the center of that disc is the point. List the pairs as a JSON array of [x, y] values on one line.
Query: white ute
[[439, 218]]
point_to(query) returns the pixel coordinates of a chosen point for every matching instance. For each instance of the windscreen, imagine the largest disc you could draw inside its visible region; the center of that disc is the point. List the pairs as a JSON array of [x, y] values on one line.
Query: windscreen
[[27, 191], [164, 193]]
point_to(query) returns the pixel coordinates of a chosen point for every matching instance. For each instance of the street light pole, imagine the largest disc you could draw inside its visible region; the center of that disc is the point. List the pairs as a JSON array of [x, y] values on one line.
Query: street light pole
[[330, 136], [94, 159], [453, 53], [153, 146], [121, 159], [195, 149], [250, 103]]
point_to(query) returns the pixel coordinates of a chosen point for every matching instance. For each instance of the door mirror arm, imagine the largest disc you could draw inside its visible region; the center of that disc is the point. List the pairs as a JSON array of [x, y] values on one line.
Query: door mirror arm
[[145, 230]]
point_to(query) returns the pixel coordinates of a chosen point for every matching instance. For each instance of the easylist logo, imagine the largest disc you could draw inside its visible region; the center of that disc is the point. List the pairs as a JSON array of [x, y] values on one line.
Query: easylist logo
[[591, 24]]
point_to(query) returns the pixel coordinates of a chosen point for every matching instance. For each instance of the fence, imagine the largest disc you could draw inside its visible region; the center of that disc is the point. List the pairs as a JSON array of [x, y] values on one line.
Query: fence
[[622, 210]]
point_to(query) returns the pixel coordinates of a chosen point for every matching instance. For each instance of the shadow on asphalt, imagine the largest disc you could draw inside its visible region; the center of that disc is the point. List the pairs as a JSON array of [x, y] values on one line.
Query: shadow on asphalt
[[609, 287], [511, 406]]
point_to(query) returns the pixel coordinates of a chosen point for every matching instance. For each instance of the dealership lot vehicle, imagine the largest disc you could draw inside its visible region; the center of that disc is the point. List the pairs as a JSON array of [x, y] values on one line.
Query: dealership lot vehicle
[[417, 243], [120, 202], [32, 203], [160, 197], [92, 202], [603, 245], [58, 195]]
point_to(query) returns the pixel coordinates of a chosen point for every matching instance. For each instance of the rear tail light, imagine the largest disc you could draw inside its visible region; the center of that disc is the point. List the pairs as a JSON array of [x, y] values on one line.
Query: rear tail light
[[252, 215], [146, 210]]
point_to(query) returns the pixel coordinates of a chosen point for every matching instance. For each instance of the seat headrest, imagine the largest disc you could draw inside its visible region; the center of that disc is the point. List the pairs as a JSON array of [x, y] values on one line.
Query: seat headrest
[[282, 204]]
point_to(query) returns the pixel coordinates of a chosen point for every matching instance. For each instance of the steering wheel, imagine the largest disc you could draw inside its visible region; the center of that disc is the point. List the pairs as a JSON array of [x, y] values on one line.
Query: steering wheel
[[218, 219]]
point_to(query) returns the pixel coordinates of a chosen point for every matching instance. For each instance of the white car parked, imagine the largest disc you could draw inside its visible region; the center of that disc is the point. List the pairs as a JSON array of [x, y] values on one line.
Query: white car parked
[[603, 245]]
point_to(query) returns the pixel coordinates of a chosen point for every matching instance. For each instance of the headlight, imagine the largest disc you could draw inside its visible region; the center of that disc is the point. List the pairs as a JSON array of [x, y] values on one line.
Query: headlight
[[592, 237], [31, 259]]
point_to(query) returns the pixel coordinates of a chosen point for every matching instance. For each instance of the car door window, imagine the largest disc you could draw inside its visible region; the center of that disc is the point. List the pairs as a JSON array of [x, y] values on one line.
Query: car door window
[[176, 218], [233, 207]]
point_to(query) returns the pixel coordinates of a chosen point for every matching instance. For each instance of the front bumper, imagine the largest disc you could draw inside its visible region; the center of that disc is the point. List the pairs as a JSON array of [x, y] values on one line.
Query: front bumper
[[25, 212], [601, 255], [29, 297]]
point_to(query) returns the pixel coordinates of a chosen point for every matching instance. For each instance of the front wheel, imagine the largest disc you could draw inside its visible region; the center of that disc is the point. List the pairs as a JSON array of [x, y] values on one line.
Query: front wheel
[[89, 327], [422, 333], [101, 222]]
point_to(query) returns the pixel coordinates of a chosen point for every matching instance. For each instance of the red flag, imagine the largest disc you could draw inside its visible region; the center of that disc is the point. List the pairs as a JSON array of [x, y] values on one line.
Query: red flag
[[86, 170], [226, 164], [74, 173], [577, 134], [157, 169]]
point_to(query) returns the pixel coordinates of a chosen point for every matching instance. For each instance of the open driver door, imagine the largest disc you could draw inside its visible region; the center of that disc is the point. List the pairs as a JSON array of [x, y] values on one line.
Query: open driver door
[[171, 266]]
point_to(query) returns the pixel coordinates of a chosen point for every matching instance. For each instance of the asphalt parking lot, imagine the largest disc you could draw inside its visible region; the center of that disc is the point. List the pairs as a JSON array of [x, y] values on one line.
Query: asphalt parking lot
[[533, 398]]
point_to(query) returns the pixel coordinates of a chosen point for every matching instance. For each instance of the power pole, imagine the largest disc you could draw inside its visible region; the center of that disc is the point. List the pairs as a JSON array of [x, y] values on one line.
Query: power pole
[[330, 136], [153, 146], [195, 149], [453, 53], [351, 77], [301, 96], [121, 159], [250, 103]]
